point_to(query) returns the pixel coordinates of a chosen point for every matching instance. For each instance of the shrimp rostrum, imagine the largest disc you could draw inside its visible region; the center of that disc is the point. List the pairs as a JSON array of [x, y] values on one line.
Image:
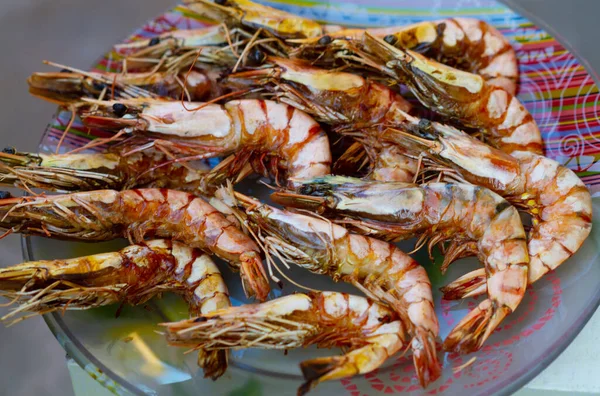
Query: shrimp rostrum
[[379, 269], [472, 218], [136, 214], [132, 275], [371, 331]]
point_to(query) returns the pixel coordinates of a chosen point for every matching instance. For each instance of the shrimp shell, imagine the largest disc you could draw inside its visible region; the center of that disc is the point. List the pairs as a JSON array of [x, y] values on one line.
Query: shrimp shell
[[135, 214], [462, 213], [371, 331]]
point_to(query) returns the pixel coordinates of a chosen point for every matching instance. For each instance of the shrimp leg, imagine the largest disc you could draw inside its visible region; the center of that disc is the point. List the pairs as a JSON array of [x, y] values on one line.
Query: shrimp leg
[[135, 214], [325, 319], [132, 275]]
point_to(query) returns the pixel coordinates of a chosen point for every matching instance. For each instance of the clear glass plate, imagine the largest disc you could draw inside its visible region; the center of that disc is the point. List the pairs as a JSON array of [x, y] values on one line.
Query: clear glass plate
[[127, 355]]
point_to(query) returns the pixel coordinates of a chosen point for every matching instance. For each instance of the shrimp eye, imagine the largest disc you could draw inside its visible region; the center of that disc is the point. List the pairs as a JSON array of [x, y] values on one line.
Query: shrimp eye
[[154, 41], [98, 86], [325, 40], [119, 109], [200, 319], [390, 39], [426, 128], [4, 194], [256, 57], [385, 319], [221, 2], [9, 150], [65, 71]]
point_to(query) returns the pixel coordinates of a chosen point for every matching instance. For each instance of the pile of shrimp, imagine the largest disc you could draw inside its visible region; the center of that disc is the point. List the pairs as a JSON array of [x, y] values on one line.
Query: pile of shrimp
[[295, 101]]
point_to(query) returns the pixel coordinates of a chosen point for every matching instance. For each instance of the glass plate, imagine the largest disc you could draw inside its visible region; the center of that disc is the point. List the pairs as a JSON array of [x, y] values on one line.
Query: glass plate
[[127, 355]]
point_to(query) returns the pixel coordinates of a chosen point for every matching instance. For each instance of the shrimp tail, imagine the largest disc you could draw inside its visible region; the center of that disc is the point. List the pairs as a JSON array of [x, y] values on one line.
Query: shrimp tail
[[315, 370], [425, 357], [469, 285], [358, 361], [472, 331], [254, 276], [213, 362]]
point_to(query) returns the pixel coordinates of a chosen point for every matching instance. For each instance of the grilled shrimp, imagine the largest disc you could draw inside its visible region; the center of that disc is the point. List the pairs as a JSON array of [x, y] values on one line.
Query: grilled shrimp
[[70, 84], [254, 16], [557, 200], [96, 171], [332, 97], [217, 46], [344, 100], [371, 331], [180, 47], [459, 95], [133, 275], [272, 136], [135, 214], [379, 269], [468, 44], [473, 218]]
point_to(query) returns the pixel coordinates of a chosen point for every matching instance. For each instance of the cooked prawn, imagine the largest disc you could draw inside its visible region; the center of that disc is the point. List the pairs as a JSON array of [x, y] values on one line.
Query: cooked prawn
[[379, 269], [218, 46], [254, 16], [342, 99], [558, 201], [459, 95], [135, 214], [468, 44], [272, 136], [332, 97], [94, 171], [132, 275], [471, 217], [179, 48], [371, 331], [71, 84]]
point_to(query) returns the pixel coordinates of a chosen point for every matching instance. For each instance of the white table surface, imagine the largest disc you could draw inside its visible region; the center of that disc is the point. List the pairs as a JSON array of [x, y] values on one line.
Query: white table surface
[[32, 30]]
